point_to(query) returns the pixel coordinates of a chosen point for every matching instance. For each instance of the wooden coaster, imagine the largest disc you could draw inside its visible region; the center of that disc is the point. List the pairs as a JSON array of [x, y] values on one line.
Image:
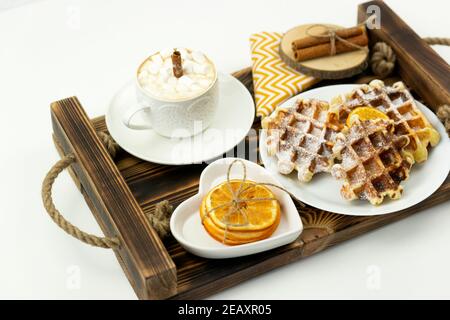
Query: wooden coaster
[[340, 66]]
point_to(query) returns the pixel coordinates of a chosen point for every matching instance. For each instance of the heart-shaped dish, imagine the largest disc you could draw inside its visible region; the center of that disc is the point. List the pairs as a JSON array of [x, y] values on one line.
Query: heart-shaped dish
[[186, 224]]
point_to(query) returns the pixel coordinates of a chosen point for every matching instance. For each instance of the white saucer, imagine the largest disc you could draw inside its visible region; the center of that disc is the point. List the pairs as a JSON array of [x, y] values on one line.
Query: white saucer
[[234, 118], [323, 191], [186, 225]]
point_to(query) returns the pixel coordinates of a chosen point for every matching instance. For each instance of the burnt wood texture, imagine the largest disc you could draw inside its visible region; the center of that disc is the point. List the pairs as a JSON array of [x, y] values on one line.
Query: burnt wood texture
[[119, 191]]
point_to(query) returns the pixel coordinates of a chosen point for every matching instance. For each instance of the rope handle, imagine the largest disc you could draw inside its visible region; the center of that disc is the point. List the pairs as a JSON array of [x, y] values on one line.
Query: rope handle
[[383, 57], [437, 41], [56, 169]]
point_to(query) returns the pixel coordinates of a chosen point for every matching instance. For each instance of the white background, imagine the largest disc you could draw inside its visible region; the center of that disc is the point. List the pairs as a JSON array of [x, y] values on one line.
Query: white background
[[54, 49]]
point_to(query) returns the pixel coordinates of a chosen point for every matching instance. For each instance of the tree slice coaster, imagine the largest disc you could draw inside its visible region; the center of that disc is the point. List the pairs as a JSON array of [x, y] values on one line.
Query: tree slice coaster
[[340, 66]]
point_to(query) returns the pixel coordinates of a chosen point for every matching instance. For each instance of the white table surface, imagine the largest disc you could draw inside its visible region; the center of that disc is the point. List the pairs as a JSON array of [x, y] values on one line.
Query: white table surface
[[54, 49]]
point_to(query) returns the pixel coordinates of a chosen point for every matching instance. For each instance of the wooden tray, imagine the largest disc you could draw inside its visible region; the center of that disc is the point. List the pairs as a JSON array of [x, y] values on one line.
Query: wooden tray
[[120, 191]]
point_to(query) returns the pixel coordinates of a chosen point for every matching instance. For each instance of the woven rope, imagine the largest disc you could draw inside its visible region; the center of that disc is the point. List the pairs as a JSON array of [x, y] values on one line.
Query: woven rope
[[159, 219], [111, 146], [383, 59], [437, 41], [443, 114], [102, 242]]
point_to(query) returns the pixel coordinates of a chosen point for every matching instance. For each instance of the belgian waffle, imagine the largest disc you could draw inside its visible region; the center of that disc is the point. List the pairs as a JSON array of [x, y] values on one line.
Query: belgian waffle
[[399, 105], [302, 138], [372, 166]]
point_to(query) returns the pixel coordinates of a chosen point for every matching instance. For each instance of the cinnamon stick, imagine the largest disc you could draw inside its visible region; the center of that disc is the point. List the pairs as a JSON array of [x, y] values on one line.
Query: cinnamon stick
[[176, 63], [323, 50], [311, 41]]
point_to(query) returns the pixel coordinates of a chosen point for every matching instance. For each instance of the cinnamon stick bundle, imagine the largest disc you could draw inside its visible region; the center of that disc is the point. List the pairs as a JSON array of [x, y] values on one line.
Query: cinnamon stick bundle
[[313, 41], [325, 49]]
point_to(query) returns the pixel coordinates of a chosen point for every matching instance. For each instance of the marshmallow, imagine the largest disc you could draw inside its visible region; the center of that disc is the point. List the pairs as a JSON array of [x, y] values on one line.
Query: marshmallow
[[151, 78], [185, 80], [210, 73], [167, 63], [172, 81], [201, 68], [198, 57], [166, 71], [151, 87], [188, 66], [152, 67], [166, 53], [168, 88], [196, 88], [145, 78], [143, 74], [157, 59], [181, 88], [163, 76], [184, 53], [204, 83], [156, 75]]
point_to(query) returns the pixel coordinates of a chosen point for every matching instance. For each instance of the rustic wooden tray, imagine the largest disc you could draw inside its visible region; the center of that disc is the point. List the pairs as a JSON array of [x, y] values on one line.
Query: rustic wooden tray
[[119, 191]]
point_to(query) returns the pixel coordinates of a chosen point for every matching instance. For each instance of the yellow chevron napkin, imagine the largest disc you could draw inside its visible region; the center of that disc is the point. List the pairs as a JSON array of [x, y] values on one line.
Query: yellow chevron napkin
[[273, 80]]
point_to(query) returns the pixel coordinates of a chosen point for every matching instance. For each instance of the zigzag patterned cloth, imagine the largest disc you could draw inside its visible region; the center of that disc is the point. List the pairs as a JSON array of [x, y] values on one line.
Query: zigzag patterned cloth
[[273, 80]]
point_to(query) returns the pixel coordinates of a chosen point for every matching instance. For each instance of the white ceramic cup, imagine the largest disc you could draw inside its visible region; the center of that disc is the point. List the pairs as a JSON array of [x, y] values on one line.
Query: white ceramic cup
[[177, 118]]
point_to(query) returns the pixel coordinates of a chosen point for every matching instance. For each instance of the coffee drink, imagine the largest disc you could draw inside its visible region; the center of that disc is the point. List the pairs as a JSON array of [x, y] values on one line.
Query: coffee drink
[[156, 76]]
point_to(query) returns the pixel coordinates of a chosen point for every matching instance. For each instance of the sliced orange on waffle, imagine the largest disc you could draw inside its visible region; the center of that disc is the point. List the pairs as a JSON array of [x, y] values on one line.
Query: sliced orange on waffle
[[365, 113], [250, 220]]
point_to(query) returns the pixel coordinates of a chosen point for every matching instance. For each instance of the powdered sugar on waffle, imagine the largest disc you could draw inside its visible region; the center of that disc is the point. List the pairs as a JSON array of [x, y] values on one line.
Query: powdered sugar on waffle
[[399, 105], [372, 166], [301, 138]]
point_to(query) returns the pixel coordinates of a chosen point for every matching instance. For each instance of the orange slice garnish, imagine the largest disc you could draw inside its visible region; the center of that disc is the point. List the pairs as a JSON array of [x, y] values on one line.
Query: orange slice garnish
[[251, 216], [233, 237], [365, 113]]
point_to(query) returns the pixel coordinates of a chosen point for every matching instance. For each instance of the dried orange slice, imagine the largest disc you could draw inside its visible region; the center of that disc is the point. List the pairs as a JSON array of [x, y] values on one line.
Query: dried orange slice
[[251, 216], [247, 214], [233, 237], [365, 113]]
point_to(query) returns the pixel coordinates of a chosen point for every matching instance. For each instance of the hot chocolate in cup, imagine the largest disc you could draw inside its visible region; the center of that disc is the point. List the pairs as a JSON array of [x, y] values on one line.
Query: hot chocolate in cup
[[156, 77], [175, 106]]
